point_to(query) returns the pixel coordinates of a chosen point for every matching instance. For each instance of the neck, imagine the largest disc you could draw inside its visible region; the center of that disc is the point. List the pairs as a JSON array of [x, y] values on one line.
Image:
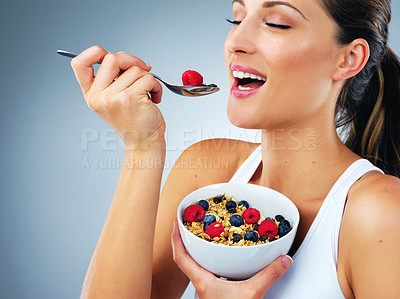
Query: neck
[[295, 161]]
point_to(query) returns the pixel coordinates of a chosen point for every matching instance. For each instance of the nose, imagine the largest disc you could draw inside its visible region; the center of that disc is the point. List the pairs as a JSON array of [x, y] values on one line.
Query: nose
[[241, 39]]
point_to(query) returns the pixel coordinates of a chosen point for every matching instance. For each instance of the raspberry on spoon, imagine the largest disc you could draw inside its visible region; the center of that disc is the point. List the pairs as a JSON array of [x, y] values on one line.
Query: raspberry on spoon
[[192, 78]]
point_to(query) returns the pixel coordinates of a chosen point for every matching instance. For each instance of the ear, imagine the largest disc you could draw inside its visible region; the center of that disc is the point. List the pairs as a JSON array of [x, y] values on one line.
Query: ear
[[352, 60]]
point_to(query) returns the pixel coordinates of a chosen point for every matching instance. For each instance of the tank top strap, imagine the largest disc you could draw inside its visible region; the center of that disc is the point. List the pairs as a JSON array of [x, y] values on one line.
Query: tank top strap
[[342, 188], [351, 175], [248, 168], [334, 203]]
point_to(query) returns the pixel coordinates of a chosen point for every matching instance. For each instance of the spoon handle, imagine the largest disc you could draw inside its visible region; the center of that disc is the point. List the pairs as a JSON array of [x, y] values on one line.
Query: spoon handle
[[69, 54], [72, 55]]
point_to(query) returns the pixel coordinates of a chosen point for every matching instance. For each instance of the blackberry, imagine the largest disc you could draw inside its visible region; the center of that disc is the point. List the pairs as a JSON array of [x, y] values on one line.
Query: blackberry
[[279, 218], [236, 238], [251, 236], [236, 220], [218, 199], [244, 203], [230, 205], [204, 204]]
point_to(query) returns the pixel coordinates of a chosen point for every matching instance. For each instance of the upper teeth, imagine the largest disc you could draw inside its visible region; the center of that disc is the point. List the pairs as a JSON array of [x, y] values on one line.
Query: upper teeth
[[241, 75]]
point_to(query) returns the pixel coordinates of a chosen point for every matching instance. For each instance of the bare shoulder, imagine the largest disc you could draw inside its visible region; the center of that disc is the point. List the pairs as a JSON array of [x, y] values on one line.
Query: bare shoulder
[[371, 234], [377, 192], [373, 209], [214, 160]]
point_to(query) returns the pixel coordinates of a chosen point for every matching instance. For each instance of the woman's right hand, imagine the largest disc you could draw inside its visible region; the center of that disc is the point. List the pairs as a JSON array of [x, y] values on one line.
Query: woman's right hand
[[208, 285], [119, 93]]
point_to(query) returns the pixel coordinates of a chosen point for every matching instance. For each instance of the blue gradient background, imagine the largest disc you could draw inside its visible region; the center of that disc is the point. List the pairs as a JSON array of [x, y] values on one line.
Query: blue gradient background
[[52, 206]]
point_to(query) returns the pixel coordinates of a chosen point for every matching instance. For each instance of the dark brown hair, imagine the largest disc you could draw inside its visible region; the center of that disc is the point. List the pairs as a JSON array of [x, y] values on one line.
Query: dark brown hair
[[368, 107]]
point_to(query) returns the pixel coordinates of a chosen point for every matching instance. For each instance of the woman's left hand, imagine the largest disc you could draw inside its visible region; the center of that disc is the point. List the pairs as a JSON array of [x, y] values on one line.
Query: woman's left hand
[[208, 285]]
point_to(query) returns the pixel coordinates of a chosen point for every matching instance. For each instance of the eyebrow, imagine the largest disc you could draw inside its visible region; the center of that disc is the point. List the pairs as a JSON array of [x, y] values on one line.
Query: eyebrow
[[269, 4]]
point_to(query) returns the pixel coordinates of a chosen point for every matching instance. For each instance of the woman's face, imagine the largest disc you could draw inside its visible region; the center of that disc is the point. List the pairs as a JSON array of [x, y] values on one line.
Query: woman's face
[[290, 46]]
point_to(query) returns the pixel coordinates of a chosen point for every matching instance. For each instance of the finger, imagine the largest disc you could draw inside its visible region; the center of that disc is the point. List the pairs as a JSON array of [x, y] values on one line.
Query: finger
[[270, 274], [127, 78], [135, 61], [82, 66], [184, 260], [147, 84], [112, 66]]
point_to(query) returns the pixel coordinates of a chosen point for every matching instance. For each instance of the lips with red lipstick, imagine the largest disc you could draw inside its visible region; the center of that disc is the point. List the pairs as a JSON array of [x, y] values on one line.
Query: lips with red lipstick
[[246, 80]]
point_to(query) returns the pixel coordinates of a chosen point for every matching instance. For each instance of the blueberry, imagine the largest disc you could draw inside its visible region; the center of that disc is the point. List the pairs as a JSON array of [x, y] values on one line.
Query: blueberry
[[219, 198], [209, 219], [244, 203], [256, 227], [230, 204], [236, 220], [237, 238], [232, 210], [269, 218], [251, 236], [263, 238], [204, 204], [284, 223], [283, 230], [279, 218]]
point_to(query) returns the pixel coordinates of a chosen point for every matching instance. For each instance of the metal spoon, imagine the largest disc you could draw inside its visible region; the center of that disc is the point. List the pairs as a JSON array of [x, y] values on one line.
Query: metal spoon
[[188, 91]]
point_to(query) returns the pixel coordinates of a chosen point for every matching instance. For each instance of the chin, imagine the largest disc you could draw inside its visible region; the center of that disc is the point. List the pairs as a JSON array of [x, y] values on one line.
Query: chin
[[242, 118], [245, 118]]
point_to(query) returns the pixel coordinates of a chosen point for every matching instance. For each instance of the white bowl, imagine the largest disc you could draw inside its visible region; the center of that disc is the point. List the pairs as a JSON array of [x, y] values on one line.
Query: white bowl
[[240, 262]]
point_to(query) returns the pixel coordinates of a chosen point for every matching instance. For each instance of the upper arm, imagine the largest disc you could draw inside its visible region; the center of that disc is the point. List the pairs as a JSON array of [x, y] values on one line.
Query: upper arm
[[206, 162], [373, 239]]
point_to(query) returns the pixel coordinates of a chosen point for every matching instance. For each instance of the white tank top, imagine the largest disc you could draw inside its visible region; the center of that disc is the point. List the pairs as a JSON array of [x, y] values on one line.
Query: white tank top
[[313, 273]]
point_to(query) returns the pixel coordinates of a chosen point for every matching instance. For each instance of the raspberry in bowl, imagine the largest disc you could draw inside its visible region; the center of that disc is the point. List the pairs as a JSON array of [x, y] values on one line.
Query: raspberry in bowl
[[229, 230]]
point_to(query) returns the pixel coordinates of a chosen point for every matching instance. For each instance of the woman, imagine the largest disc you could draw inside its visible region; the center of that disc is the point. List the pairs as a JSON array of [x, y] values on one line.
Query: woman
[[323, 63]]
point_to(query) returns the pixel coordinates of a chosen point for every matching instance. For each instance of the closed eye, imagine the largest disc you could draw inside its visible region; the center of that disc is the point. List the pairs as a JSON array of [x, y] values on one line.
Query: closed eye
[[279, 26], [234, 22]]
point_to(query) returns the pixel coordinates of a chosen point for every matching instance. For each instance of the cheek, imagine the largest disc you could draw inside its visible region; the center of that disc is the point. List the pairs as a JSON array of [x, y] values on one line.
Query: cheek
[[299, 61]]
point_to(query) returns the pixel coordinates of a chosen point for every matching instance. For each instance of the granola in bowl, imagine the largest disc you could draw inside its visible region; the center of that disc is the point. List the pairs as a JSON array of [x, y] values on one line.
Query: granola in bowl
[[222, 219]]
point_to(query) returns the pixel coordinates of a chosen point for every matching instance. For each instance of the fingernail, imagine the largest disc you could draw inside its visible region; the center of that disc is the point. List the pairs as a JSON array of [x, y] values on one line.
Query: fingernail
[[287, 261], [149, 65]]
